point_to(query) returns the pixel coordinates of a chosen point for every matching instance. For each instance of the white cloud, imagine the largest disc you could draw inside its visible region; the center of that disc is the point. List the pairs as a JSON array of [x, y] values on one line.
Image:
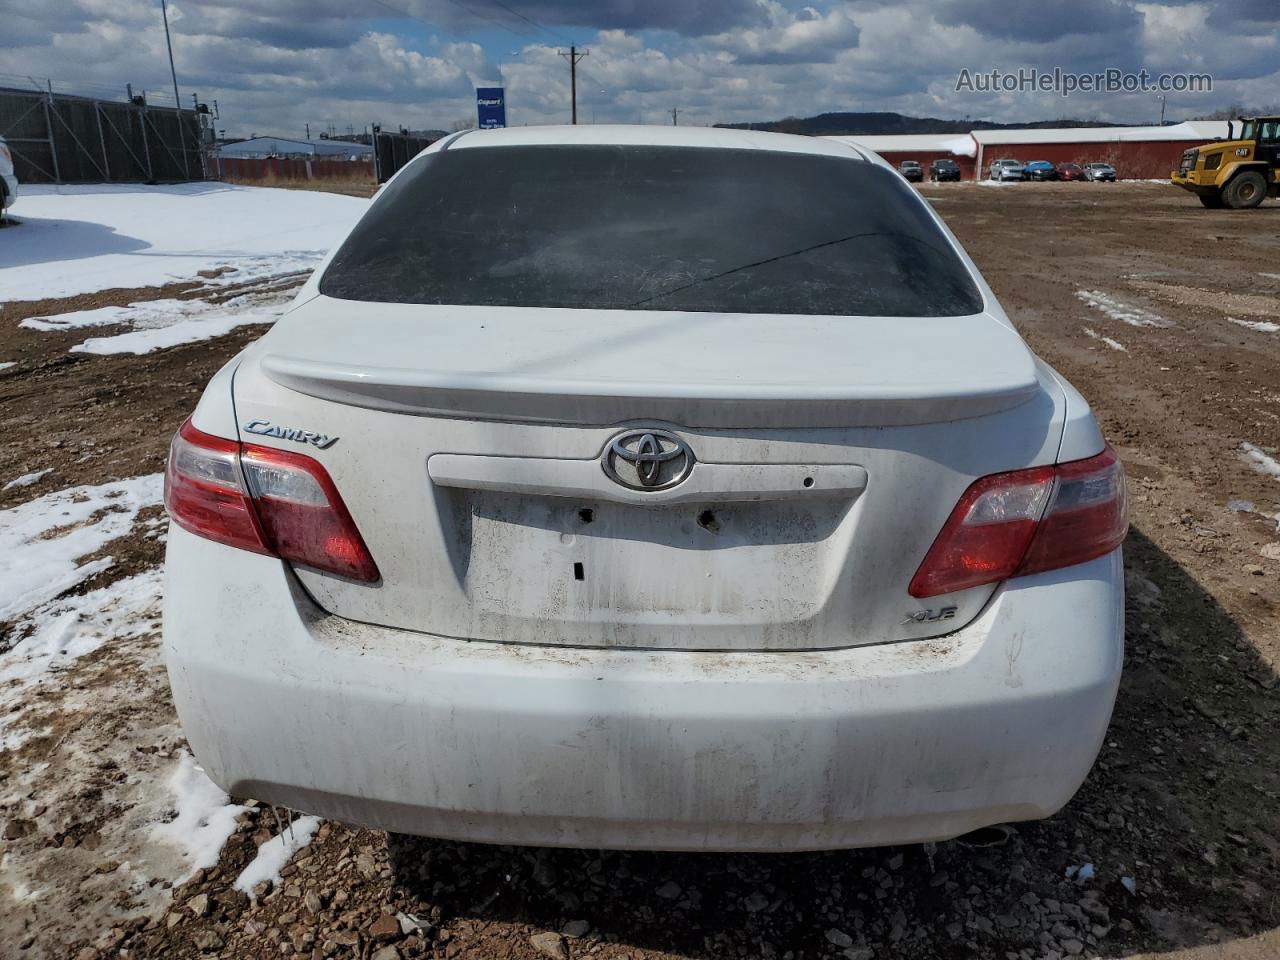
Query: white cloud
[[806, 35], [274, 65]]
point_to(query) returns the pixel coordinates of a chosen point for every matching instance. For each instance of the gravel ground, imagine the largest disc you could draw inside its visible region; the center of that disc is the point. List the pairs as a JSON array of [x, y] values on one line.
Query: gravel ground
[[1155, 308]]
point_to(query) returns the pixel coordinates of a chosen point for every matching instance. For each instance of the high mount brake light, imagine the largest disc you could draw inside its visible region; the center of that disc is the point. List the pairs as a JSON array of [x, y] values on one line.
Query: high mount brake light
[[1027, 521], [264, 500]]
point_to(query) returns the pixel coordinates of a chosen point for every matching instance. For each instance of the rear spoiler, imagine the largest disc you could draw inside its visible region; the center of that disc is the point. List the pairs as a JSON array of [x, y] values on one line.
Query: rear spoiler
[[1007, 383]]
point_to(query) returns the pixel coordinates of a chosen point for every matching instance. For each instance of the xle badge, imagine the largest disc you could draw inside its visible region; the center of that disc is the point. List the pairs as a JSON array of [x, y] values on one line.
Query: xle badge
[[930, 615]]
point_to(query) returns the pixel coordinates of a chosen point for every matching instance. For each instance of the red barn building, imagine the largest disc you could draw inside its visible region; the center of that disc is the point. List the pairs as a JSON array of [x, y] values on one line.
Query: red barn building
[[923, 147], [1137, 153]]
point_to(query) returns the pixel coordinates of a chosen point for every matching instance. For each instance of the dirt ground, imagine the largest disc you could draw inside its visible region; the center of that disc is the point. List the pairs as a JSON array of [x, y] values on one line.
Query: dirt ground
[[1141, 298]]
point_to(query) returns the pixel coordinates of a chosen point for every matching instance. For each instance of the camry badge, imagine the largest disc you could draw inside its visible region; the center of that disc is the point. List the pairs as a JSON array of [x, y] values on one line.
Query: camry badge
[[647, 459], [265, 428]]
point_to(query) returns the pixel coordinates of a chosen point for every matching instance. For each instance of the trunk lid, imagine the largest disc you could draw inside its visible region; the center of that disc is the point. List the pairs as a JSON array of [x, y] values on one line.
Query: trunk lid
[[826, 453]]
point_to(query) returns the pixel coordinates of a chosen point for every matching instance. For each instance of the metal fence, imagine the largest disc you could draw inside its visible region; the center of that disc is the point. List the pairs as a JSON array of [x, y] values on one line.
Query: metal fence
[[391, 151], [61, 138]]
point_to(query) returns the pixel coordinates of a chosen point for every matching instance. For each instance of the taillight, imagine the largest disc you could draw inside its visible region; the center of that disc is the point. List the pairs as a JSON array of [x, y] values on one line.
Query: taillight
[[264, 500], [1027, 521]]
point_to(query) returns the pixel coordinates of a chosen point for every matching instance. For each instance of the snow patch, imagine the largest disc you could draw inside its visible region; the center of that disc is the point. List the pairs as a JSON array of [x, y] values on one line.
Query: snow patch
[[1080, 873], [1113, 344], [167, 323], [59, 632], [67, 629], [275, 853], [7, 364], [76, 319], [88, 237], [183, 331], [1257, 458], [205, 817], [43, 540], [27, 479], [1118, 310], [1262, 326]]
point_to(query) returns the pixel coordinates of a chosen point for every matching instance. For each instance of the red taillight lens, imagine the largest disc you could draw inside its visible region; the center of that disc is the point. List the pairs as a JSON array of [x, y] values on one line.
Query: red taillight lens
[[264, 500], [204, 490], [1027, 521], [1088, 516]]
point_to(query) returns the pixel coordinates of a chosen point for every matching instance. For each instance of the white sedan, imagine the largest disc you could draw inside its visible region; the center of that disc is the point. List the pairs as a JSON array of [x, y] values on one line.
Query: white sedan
[[645, 487]]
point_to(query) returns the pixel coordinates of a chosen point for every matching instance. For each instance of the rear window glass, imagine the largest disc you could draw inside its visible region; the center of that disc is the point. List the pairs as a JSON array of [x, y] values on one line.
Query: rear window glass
[[652, 228]]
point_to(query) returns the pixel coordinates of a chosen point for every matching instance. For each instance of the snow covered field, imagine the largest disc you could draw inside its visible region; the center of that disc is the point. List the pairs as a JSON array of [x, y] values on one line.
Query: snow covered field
[[245, 247], [84, 238]]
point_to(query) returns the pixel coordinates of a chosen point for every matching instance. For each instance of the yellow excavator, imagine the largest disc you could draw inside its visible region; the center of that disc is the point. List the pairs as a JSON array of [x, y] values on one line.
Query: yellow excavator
[[1238, 173]]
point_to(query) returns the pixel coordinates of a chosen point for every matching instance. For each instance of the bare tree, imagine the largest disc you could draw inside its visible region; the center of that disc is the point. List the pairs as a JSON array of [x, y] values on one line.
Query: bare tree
[[463, 124]]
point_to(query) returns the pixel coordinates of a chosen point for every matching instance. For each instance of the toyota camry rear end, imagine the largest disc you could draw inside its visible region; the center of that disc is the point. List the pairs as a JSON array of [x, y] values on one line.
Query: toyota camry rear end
[[646, 488]]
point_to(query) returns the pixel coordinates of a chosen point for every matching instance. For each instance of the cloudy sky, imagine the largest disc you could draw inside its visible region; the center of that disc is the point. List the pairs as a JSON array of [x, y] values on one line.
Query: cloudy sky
[[275, 65]]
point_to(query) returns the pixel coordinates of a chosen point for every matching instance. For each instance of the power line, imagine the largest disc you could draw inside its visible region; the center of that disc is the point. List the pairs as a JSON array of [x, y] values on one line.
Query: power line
[[529, 20]]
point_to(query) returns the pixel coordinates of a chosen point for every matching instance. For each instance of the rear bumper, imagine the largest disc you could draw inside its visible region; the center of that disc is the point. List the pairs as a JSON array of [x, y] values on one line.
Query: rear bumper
[[895, 743]]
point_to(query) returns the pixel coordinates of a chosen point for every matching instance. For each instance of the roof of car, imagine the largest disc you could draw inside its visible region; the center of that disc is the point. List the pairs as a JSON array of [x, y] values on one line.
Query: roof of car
[[650, 136]]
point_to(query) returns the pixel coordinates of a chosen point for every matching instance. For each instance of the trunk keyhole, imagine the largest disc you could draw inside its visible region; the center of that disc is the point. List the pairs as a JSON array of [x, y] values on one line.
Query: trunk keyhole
[[707, 521], [586, 515], [579, 571], [808, 481]]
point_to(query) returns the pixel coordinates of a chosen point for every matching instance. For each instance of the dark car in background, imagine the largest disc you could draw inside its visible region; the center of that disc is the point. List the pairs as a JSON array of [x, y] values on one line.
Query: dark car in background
[[942, 170], [1070, 171], [912, 170], [1039, 170], [1100, 172]]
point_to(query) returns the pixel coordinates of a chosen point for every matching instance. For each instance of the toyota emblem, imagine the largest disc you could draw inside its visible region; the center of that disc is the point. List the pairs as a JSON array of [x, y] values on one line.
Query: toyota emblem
[[647, 459]]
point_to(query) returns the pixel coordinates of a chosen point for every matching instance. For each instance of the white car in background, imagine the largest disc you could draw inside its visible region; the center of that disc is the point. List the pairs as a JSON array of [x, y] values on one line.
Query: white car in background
[[8, 182], [643, 487], [1006, 170]]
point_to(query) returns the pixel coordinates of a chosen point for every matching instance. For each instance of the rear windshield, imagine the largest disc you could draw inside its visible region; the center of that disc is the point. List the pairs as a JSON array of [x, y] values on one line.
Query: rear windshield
[[652, 228]]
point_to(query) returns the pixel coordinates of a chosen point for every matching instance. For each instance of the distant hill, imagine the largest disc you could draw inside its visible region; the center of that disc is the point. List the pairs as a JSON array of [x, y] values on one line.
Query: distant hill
[[866, 124]]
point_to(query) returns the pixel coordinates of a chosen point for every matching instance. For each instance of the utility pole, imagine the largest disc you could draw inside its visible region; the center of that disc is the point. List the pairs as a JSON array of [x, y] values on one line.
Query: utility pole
[[177, 101], [573, 56], [1164, 99], [675, 116], [308, 131]]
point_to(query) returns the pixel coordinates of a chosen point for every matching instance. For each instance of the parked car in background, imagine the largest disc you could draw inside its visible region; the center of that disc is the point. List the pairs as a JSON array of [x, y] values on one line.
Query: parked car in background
[[944, 169], [912, 170], [1100, 172], [1006, 170], [593, 592], [8, 182], [1070, 171], [1040, 170]]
